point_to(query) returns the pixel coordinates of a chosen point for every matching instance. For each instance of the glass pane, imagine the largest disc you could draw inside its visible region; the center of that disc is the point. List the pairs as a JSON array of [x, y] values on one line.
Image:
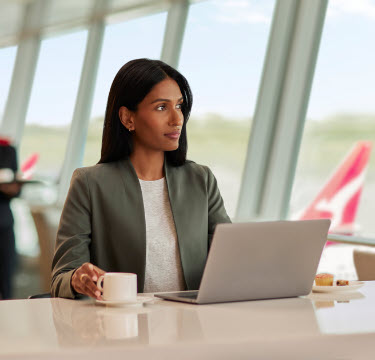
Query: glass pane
[[341, 113], [52, 101], [222, 58], [129, 40], [7, 58]]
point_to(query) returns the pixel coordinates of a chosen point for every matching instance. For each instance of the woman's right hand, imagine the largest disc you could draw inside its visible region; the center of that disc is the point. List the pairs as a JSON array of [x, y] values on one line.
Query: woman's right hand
[[84, 280]]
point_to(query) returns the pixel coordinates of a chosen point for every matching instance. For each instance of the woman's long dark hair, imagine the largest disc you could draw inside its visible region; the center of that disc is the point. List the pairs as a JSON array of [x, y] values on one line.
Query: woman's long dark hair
[[130, 86]]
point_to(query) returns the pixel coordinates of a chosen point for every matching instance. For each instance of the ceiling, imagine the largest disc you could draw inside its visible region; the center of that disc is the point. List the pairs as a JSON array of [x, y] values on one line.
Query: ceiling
[[67, 15]]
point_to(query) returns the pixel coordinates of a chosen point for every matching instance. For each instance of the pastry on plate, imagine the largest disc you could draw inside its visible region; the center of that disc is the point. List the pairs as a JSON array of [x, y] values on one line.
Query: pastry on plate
[[342, 282], [324, 279]]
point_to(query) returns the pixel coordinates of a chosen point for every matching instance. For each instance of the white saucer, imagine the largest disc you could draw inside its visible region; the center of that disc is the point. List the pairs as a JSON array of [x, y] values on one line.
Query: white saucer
[[139, 302], [353, 285]]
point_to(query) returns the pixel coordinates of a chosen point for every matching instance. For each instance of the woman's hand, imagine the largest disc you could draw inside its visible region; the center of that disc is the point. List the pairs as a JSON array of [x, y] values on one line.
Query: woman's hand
[[84, 280]]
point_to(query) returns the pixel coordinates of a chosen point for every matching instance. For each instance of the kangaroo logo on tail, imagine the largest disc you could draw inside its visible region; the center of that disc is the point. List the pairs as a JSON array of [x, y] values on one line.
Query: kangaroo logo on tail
[[339, 198]]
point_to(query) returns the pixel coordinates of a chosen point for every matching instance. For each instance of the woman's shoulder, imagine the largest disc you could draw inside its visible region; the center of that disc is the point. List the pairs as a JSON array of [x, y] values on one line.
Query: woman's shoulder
[[192, 168], [97, 171], [191, 165]]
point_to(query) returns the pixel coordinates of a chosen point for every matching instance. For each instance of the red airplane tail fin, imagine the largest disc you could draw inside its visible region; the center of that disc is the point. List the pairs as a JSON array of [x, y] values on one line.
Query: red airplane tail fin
[[339, 198]]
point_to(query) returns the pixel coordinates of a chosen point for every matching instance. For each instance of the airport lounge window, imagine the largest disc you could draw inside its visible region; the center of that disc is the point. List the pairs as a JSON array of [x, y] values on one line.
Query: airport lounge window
[[222, 58], [335, 173], [136, 38], [52, 102], [46, 132]]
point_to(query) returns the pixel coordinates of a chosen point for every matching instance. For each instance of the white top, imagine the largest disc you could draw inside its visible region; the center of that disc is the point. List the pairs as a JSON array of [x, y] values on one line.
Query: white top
[[163, 263]]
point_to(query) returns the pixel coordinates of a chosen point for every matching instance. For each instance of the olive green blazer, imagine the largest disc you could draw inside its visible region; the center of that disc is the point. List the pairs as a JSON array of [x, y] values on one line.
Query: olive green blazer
[[103, 221]]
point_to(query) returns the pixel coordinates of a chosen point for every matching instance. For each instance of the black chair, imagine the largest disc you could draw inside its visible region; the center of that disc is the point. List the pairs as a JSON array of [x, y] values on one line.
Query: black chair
[[40, 296]]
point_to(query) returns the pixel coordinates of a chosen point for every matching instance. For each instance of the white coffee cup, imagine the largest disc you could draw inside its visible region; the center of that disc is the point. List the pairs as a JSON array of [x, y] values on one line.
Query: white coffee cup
[[118, 286]]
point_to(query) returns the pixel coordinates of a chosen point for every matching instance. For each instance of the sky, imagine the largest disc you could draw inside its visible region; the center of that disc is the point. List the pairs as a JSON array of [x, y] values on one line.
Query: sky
[[222, 57]]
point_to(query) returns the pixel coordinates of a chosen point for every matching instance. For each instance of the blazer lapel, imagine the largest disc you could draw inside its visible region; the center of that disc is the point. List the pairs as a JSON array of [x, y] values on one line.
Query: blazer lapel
[[184, 205], [135, 219]]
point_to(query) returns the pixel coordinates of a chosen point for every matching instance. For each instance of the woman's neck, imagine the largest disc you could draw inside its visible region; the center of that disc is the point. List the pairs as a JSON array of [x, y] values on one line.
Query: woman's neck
[[149, 165]]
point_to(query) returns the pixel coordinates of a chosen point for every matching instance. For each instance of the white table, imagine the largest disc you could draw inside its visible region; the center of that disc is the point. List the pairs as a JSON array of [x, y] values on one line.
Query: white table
[[340, 326]]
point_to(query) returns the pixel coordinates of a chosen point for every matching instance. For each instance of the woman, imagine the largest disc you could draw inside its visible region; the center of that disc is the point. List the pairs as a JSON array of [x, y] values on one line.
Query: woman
[[143, 208]]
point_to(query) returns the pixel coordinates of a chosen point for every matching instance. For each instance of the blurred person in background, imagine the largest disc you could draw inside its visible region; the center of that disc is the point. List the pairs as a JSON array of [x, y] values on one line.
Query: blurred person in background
[[144, 208], [8, 190]]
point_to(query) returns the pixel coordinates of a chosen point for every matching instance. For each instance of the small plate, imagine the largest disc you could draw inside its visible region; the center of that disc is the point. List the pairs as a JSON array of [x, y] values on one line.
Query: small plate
[[140, 300], [353, 285]]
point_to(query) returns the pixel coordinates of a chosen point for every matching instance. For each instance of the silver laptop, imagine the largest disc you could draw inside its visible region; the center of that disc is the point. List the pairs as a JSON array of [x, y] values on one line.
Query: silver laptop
[[262, 260]]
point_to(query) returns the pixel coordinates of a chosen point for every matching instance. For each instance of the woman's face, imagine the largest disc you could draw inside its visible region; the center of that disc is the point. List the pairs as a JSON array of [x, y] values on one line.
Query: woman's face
[[158, 121]]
